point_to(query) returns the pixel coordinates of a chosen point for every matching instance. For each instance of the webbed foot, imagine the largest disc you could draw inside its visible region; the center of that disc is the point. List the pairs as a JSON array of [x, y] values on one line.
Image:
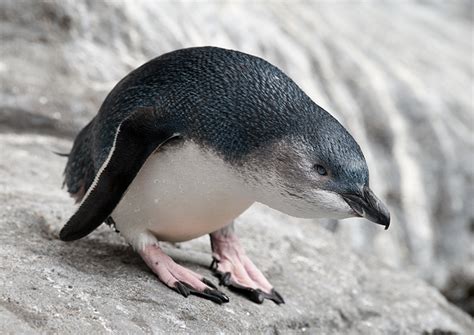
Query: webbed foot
[[236, 271], [180, 279]]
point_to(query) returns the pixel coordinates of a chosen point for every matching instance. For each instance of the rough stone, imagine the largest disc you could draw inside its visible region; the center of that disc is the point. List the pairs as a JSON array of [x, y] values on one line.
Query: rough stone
[[395, 73]]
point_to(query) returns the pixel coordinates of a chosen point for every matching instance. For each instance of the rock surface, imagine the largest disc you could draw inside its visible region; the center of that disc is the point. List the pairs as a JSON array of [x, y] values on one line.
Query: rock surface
[[99, 285], [396, 74]]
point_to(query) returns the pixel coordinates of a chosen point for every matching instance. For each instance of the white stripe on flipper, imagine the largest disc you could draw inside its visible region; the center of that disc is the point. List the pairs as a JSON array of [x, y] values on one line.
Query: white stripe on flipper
[[102, 167], [109, 157]]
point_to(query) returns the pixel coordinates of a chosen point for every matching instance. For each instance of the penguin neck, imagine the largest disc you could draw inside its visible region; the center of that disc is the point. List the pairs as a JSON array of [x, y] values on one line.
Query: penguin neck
[[270, 192]]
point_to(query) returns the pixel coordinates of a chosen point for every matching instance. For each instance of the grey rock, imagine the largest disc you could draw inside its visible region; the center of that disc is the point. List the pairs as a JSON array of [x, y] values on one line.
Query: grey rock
[[397, 74], [99, 285]]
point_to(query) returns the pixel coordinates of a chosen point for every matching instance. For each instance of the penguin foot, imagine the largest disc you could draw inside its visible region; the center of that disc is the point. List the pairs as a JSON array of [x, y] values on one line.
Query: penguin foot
[[178, 278], [235, 270]]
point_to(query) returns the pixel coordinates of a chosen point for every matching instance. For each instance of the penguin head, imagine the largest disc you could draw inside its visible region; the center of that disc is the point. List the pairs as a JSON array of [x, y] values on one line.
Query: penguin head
[[319, 171]]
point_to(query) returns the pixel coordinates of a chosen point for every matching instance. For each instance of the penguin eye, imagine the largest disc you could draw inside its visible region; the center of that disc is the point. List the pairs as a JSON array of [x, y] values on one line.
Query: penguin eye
[[320, 169]]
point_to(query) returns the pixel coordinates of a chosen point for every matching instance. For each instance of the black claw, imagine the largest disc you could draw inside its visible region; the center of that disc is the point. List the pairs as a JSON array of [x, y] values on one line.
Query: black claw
[[182, 288], [214, 295], [256, 296], [275, 297], [209, 283], [218, 294], [279, 299]]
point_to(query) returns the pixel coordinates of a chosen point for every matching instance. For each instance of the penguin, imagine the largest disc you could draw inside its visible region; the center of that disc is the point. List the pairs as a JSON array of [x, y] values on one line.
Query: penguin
[[188, 141]]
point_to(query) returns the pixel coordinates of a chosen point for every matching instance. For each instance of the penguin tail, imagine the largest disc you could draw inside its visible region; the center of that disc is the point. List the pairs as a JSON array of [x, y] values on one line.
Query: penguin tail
[[60, 154], [79, 172]]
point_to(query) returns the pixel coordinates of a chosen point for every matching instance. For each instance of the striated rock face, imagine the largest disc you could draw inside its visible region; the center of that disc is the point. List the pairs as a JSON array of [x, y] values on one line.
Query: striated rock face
[[398, 76], [99, 285]]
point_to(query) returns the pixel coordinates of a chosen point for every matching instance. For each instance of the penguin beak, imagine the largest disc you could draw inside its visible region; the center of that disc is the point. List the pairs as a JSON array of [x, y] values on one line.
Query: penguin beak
[[366, 204]]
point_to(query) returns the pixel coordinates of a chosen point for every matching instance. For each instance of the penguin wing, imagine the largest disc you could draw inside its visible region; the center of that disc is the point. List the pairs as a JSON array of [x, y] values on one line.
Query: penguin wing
[[135, 139]]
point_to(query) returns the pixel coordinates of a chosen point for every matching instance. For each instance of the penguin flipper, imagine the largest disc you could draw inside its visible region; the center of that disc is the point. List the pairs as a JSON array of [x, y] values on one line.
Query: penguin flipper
[[136, 138]]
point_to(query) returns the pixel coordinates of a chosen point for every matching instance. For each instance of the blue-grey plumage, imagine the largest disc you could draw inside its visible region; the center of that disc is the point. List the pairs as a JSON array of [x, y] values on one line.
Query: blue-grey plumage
[[252, 120], [233, 102]]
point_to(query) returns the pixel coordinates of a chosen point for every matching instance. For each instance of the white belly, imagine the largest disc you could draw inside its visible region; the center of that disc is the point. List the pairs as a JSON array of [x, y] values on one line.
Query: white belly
[[181, 192]]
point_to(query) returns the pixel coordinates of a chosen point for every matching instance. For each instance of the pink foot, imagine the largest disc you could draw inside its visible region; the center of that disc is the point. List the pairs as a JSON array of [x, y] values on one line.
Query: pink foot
[[235, 270], [179, 278]]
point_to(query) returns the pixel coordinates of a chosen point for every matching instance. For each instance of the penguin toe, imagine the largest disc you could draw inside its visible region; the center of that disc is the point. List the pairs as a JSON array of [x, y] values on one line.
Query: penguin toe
[[256, 295], [275, 297], [213, 295], [179, 278], [236, 271]]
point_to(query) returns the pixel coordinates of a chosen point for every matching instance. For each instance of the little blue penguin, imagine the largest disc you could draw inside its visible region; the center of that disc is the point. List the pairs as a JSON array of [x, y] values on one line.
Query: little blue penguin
[[188, 141]]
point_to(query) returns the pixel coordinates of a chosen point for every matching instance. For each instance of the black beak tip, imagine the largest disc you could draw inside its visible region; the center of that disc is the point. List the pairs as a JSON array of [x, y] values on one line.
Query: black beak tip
[[385, 217], [367, 205]]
